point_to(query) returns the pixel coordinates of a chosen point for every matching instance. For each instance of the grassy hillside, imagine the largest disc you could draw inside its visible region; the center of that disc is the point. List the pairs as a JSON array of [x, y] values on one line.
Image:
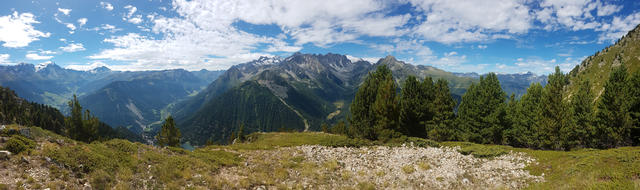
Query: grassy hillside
[[293, 160], [596, 68]]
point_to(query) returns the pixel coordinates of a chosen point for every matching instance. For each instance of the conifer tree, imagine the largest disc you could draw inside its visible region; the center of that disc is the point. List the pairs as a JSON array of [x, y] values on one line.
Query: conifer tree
[[580, 132], [614, 126], [440, 126], [169, 134], [482, 113], [633, 97], [523, 118], [415, 105], [385, 108], [374, 109], [554, 112], [362, 117]]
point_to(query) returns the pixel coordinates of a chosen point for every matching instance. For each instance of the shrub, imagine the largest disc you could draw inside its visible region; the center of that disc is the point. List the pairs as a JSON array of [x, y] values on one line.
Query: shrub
[[17, 144], [101, 180], [481, 151]]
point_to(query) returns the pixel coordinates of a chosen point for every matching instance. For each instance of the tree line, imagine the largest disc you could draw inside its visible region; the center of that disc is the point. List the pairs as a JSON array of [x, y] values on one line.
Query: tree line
[[543, 118]]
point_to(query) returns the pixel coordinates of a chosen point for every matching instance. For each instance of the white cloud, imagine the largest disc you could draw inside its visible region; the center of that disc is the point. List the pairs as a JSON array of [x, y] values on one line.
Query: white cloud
[[482, 46], [86, 67], [48, 52], [73, 47], [4, 59], [70, 26], [605, 10], [129, 17], [34, 56], [468, 21], [618, 27], [106, 27], [64, 11], [17, 30], [136, 19], [82, 22], [106, 6], [131, 9], [541, 66]]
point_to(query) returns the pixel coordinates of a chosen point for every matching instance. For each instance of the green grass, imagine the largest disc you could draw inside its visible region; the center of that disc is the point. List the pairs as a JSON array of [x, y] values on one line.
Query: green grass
[[617, 168], [265, 141]]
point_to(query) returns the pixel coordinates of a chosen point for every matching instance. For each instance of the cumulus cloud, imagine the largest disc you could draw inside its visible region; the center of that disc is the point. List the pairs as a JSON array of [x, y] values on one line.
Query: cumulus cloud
[[4, 59], [82, 22], [468, 21], [86, 67], [73, 47], [64, 11], [618, 27], [17, 30], [106, 6], [35, 56], [206, 32]]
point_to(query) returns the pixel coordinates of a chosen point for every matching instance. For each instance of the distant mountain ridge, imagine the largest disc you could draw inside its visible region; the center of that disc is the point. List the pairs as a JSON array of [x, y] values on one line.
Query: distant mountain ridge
[[105, 92], [309, 89], [516, 83]]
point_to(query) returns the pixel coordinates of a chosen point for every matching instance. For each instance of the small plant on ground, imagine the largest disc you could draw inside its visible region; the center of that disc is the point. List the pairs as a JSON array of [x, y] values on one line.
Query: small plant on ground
[[408, 169]]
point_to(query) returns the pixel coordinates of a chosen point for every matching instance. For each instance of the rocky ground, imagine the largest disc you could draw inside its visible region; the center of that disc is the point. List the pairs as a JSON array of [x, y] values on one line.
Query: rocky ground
[[378, 167]]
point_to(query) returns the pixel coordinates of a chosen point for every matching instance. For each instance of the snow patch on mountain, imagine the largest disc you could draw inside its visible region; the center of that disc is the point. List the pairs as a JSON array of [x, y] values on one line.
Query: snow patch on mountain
[[43, 65]]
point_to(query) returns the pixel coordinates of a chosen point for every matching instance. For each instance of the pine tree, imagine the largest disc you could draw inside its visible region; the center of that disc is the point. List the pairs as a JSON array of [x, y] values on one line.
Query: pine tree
[[169, 134], [523, 118], [633, 96], [339, 128], [415, 105], [374, 109], [614, 125], [554, 112], [74, 122], [385, 108], [482, 112], [362, 117], [440, 126], [580, 132]]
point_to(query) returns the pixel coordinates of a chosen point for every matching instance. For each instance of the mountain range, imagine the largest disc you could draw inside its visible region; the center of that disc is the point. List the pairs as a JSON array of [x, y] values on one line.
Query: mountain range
[[299, 92], [131, 99]]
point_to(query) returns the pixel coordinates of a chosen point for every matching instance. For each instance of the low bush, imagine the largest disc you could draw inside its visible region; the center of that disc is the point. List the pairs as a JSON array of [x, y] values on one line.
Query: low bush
[[17, 144], [480, 151]]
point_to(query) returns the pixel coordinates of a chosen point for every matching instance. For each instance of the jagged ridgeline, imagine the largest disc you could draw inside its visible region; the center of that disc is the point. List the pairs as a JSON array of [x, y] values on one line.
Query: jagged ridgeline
[[296, 93], [15, 110]]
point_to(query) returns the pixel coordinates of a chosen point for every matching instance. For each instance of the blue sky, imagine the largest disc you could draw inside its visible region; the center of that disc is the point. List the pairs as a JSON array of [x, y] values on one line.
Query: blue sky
[[505, 36]]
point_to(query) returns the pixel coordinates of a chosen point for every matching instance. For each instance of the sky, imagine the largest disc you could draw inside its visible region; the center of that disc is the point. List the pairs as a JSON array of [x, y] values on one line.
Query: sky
[[503, 36]]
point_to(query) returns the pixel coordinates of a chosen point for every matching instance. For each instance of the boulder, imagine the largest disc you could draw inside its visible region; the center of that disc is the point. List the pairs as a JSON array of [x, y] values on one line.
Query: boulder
[[4, 155]]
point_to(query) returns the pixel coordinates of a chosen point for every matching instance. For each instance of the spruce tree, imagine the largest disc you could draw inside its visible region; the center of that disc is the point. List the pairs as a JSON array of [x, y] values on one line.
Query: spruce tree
[[374, 110], [580, 132], [362, 117], [415, 106], [385, 108], [554, 112], [523, 132], [614, 125], [440, 126], [74, 121], [482, 112], [169, 134], [633, 97]]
